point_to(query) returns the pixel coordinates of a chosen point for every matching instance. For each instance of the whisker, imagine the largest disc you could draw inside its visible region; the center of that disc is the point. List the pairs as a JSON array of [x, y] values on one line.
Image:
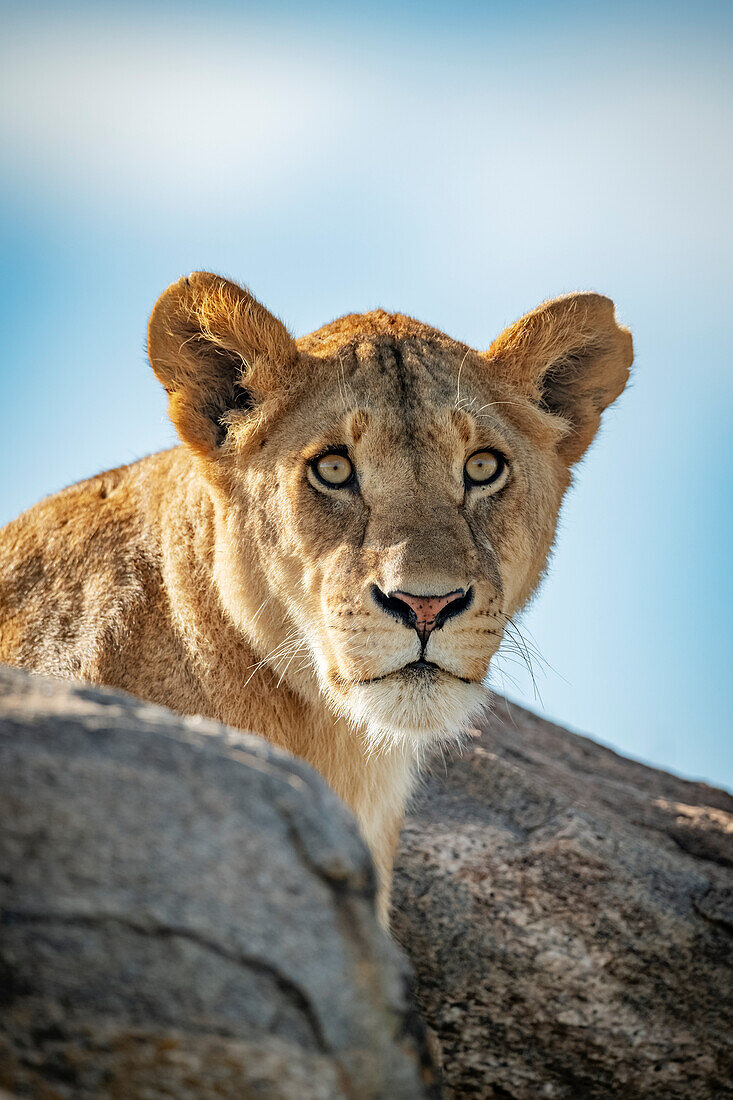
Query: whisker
[[458, 387], [290, 661], [495, 404], [258, 612], [273, 656], [521, 648]]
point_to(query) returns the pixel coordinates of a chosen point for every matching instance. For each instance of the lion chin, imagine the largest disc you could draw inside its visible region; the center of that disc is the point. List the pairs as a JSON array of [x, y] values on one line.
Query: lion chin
[[417, 706]]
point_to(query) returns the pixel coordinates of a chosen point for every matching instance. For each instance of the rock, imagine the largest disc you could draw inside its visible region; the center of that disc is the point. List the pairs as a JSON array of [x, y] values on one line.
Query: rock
[[185, 912], [569, 914]]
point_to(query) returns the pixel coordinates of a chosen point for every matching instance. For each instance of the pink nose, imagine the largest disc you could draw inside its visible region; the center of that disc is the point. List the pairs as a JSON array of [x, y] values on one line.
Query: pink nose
[[430, 611]]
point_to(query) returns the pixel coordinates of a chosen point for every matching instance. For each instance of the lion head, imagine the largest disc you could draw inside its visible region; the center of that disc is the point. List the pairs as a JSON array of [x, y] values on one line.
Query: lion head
[[385, 496]]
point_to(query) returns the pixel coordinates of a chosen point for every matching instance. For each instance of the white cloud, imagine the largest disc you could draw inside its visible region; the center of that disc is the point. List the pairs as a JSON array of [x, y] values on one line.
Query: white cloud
[[90, 110], [544, 138]]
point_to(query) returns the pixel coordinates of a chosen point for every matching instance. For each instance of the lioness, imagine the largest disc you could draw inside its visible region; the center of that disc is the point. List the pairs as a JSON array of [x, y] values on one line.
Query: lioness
[[331, 557]]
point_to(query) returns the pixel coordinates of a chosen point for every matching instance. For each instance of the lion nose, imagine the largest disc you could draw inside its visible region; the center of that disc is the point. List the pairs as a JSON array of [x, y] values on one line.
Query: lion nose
[[423, 613]]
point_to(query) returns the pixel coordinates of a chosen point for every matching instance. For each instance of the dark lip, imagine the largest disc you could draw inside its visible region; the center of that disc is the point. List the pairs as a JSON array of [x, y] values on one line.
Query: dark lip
[[429, 668], [420, 667]]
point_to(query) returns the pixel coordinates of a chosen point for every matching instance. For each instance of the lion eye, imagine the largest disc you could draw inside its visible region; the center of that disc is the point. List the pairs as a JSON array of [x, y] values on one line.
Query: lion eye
[[334, 469], [485, 467]]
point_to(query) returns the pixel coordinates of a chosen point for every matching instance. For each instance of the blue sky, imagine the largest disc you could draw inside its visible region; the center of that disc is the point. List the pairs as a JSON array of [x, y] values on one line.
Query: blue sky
[[460, 162]]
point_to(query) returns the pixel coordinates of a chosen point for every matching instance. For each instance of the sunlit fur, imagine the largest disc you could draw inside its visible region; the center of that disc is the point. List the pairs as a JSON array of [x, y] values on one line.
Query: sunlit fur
[[220, 578]]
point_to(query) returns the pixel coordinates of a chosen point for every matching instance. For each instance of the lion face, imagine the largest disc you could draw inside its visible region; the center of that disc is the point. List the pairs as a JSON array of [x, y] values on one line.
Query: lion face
[[387, 496], [400, 568]]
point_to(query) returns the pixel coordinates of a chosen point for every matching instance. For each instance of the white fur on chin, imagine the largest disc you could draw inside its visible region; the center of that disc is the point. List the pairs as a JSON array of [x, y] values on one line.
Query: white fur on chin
[[420, 713]]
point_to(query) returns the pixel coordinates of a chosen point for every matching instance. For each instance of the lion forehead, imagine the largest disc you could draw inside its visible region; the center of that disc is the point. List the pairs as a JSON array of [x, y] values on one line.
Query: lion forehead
[[348, 331]]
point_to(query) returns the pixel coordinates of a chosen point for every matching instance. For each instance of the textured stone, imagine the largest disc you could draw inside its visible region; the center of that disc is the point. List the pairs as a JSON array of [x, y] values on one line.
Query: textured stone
[[569, 915], [185, 912]]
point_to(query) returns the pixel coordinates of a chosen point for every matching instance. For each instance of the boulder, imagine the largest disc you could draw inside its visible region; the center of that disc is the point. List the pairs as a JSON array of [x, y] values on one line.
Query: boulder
[[569, 915], [185, 912]]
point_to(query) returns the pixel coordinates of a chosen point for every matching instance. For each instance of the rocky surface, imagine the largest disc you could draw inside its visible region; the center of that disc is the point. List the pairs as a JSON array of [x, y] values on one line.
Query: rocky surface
[[187, 913], [569, 914], [184, 913]]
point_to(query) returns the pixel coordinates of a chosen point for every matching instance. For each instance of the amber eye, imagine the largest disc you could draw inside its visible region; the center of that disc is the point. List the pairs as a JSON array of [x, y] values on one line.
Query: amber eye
[[333, 469], [485, 468]]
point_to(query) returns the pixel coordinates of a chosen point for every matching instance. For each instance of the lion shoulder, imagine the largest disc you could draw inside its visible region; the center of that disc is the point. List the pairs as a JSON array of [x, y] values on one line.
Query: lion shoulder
[[74, 565]]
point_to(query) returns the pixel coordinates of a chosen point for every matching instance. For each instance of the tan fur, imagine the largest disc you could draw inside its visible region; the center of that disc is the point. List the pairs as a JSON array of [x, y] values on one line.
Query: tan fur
[[218, 578]]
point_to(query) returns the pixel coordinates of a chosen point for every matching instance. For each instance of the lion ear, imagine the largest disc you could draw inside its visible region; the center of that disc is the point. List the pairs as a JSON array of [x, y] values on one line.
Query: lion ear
[[570, 356], [206, 336]]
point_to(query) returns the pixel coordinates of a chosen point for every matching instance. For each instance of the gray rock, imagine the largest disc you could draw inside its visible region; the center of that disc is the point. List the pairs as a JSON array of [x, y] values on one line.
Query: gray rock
[[185, 912], [569, 914]]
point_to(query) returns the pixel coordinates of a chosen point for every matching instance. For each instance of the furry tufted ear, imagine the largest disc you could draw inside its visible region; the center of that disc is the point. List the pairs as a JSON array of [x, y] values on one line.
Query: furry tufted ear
[[205, 337], [572, 358]]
